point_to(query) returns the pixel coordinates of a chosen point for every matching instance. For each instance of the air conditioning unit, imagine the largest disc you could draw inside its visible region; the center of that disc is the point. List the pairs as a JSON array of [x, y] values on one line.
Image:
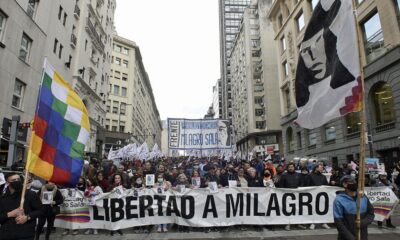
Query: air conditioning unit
[[262, 104]]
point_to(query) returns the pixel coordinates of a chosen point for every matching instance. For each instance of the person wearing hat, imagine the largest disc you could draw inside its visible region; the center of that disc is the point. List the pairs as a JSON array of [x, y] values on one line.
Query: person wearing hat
[[17, 223], [345, 210], [383, 181]]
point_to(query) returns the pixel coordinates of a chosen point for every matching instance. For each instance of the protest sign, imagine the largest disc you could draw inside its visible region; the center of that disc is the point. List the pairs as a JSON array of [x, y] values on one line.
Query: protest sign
[[200, 208], [384, 201]]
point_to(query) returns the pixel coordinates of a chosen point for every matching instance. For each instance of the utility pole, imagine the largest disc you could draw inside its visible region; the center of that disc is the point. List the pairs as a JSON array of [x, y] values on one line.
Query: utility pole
[[13, 140]]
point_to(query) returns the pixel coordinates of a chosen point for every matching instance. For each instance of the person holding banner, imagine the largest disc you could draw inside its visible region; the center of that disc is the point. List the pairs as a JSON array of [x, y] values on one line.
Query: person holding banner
[[15, 222], [162, 186], [92, 190], [51, 198], [344, 211], [383, 181]]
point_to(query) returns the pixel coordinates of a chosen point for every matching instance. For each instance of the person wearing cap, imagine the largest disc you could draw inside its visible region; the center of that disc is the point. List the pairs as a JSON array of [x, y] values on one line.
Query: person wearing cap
[[383, 181], [17, 223], [345, 210]]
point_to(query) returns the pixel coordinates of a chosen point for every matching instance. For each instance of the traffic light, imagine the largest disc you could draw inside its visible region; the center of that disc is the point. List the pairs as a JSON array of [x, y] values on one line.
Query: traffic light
[[24, 125]]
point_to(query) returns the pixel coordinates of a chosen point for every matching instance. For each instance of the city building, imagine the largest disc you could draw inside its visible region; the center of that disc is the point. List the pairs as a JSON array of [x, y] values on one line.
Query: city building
[[21, 62], [338, 141], [132, 114], [77, 43], [230, 15], [254, 78]]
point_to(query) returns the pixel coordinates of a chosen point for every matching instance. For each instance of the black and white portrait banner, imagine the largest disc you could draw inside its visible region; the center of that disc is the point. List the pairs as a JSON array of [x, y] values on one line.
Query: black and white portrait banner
[[199, 208], [328, 83]]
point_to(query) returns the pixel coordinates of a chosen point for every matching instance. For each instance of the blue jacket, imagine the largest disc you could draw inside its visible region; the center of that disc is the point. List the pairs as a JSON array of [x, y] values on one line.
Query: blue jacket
[[344, 213]]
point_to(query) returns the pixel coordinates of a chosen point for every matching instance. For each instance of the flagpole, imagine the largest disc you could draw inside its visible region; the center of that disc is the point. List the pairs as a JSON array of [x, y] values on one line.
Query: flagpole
[[24, 187], [361, 164]]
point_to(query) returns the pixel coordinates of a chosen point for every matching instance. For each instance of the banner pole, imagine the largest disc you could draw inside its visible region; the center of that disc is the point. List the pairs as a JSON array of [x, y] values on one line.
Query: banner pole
[[361, 165]]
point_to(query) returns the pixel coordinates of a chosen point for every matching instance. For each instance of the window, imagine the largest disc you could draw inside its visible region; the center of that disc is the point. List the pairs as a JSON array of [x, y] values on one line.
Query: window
[[330, 133], [123, 91], [116, 90], [65, 18], [353, 122], [108, 124], [259, 124], [299, 142], [280, 21], [60, 10], [383, 104], [283, 44], [312, 139], [373, 38], [289, 139], [55, 46], [122, 110], [60, 51], [125, 63], [300, 21], [397, 3], [259, 100], [26, 43], [125, 51], [314, 3], [287, 100], [114, 126], [31, 8], [115, 108], [118, 61], [285, 69], [3, 19], [18, 95], [117, 48], [117, 75], [124, 77], [259, 112], [122, 126]]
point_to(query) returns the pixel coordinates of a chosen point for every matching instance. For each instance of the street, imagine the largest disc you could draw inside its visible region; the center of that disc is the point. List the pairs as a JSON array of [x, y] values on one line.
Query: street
[[235, 233]]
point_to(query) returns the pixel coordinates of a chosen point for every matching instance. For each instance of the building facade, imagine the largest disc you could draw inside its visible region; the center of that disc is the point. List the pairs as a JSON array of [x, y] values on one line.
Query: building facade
[[230, 15], [132, 114], [254, 76], [77, 43], [21, 61], [338, 141]]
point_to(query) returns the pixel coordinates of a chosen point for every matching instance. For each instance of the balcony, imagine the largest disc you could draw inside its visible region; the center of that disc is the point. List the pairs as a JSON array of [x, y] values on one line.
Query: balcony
[[73, 40], [91, 29], [385, 127], [77, 12]]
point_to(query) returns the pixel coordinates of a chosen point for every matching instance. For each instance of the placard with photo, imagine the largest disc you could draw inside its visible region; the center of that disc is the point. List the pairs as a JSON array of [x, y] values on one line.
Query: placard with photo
[[150, 179]]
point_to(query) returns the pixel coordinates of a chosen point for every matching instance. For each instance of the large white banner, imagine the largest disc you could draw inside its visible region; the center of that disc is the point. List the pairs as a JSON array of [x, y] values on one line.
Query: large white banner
[[198, 134], [198, 208], [201, 208]]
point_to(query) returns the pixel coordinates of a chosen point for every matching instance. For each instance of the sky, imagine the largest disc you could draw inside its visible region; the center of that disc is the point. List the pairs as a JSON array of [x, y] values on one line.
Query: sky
[[179, 43]]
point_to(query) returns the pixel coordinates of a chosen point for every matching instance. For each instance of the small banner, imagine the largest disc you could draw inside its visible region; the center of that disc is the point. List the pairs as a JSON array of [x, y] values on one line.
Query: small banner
[[384, 201], [201, 208]]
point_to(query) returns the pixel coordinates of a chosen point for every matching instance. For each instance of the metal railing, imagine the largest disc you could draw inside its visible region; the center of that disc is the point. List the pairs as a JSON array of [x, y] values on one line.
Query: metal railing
[[96, 37], [385, 127]]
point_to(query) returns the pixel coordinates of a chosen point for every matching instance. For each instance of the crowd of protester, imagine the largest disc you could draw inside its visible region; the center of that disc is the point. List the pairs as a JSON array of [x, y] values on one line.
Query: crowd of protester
[[170, 173]]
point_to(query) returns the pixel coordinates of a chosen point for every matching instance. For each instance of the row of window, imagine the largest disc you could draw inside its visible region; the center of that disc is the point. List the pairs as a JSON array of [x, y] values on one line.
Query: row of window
[[117, 75], [117, 90], [120, 62], [120, 49], [115, 125]]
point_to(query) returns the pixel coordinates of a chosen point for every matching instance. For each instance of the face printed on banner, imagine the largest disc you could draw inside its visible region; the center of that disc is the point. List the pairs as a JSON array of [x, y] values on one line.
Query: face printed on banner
[[314, 56], [222, 133]]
